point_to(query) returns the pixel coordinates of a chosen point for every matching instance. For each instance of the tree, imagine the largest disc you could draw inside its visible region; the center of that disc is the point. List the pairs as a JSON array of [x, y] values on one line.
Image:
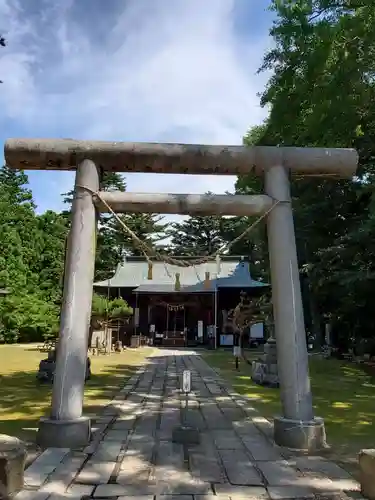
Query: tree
[[113, 241], [248, 312], [2, 44], [104, 310], [30, 311], [321, 93], [197, 235]]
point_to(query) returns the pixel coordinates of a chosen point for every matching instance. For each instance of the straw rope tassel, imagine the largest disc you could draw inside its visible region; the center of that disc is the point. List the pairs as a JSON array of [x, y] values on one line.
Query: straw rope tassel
[[149, 273], [177, 285], [207, 280]]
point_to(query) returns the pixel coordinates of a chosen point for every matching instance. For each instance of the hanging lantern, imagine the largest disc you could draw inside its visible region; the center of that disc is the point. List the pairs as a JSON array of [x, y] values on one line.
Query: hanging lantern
[[149, 273], [177, 285], [207, 280]]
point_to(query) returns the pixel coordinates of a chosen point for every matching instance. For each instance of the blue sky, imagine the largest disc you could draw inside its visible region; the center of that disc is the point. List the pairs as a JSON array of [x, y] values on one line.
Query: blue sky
[[132, 70]]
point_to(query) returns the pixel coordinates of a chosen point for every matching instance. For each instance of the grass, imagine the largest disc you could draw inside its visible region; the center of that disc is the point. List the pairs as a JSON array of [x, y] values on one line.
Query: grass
[[344, 395], [23, 401]]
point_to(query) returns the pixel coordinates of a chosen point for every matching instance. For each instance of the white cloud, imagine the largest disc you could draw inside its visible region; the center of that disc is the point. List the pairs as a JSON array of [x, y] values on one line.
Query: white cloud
[[166, 70]]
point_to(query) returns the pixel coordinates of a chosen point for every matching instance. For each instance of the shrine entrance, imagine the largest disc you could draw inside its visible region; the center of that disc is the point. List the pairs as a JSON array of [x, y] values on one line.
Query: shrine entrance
[[66, 426], [175, 319]]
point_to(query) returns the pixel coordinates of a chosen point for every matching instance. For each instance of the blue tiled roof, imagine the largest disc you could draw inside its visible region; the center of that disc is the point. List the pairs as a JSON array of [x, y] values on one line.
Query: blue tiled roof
[[231, 273]]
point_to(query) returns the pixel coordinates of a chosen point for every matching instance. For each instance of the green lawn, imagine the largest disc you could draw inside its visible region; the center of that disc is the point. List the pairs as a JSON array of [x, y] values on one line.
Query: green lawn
[[343, 395], [23, 401]]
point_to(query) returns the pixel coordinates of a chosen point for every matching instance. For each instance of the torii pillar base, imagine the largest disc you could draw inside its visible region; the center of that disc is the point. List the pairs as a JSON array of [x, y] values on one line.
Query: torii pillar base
[[300, 435], [56, 433]]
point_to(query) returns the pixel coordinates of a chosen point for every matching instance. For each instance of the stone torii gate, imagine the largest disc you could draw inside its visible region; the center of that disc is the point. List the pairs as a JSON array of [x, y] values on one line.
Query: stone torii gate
[[66, 426]]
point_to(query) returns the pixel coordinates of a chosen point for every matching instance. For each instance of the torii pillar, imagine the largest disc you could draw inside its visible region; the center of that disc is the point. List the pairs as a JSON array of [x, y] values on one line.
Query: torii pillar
[[66, 426]]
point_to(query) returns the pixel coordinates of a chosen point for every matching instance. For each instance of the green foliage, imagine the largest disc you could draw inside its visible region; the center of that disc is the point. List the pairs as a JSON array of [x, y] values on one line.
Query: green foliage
[[106, 309], [113, 242], [27, 318], [197, 235], [321, 93]]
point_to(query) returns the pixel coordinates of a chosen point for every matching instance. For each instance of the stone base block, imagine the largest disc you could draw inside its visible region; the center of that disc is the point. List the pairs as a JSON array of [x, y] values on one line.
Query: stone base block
[[64, 433], [265, 373], [367, 473], [12, 465], [185, 435], [300, 435]]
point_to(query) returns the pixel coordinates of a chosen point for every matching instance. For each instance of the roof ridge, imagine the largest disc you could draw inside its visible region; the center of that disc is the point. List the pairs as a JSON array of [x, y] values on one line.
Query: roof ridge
[[224, 258]]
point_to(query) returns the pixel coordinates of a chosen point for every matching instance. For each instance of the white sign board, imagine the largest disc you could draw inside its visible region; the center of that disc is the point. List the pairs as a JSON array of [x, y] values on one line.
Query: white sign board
[[152, 328], [256, 331], [200, 329], [237, 351], [186, 381], [226, 339]]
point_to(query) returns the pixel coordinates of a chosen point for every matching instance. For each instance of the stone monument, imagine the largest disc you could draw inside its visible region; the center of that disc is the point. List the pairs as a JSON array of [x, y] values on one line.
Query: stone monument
[[264, 370], [12, 464]]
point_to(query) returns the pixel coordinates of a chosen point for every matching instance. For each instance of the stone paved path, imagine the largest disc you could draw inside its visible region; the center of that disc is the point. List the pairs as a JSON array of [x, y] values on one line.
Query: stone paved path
[[132, 454]]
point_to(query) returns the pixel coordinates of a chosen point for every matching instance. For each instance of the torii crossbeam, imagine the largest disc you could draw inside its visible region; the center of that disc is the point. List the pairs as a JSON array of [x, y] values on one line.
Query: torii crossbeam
[[66, 426]]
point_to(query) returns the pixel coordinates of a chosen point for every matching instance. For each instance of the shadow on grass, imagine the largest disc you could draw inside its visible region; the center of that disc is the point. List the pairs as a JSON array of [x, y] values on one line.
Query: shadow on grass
[[343, 394], [151, 411], [24, 400]]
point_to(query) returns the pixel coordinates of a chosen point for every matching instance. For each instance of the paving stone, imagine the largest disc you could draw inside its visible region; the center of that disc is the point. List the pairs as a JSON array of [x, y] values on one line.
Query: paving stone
[[194, 418], [54, 487], [141, 448], [210, 496], [175, 497], [227, 440], [103, 420], [214, 389], [50, 456], [37, 476], [279, 473], [37, 473], [232, 447], [346, 485], [169, 462], [134, 470], [263, 425], [147, 425], [64, 474], [205, 463], [288, 492], [184, 485], [241, 492], [321, 466], [170, 418], [31, 495], [260, 448], [245, 426], [96, 473], [239, 469], [232, 414], [80, 490], [117, 490], [91, 448], [115, 435], [123, 425], [111, 410], [138, 497], [214, 418], [107, 451]]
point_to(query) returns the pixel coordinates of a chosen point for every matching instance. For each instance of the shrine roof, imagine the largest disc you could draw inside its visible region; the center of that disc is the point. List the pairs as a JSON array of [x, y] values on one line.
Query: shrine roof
[[232, 272]]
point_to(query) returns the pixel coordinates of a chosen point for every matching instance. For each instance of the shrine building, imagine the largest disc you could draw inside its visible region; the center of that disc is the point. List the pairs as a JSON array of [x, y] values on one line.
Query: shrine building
[[182, 306]]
